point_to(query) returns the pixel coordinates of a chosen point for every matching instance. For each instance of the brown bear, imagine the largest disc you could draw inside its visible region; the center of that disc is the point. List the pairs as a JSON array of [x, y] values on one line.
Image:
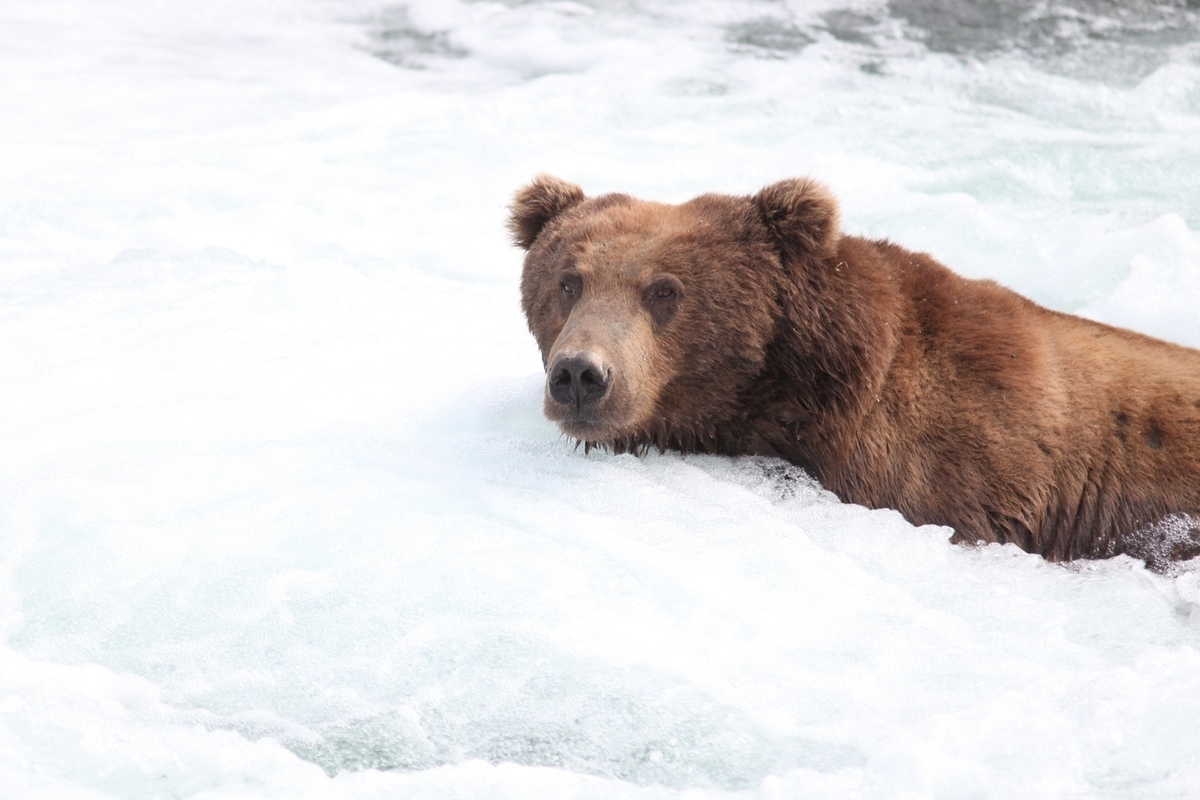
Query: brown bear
[[752, 326]]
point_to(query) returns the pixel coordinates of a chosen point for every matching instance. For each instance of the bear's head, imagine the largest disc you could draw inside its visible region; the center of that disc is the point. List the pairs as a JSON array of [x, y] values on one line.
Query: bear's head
[[655, 320]]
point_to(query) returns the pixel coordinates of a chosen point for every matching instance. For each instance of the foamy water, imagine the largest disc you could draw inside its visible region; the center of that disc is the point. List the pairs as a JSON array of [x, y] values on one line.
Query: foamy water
[[280, 516]]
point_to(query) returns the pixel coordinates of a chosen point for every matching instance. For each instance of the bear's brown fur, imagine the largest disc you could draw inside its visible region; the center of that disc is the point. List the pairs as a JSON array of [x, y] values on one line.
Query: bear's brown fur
[[752, 326]]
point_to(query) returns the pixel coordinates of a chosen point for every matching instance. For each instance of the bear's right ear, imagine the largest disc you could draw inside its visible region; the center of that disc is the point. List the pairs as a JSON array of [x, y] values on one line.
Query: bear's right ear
[[538, 203], [801, 215]]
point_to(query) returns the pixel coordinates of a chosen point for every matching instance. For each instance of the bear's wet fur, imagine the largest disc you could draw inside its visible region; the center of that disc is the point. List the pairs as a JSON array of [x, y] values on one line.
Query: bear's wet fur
[[752, 326]]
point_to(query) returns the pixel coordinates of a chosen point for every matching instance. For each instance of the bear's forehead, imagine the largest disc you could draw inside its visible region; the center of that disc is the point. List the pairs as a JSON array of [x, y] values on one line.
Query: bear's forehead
[[641, 233]]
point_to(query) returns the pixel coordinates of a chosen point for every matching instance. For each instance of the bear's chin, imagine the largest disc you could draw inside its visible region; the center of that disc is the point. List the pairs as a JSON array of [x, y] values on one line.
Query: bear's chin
[[600, 424], [593, 433], [619, 440], [601, 431]]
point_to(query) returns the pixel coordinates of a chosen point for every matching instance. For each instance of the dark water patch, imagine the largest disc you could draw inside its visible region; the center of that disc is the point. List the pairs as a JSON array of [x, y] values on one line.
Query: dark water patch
[[397, 40], [769, 37], [1170, 546], [1100, 39], [984, 27], [1118, 42], [1112, 40], [777, 37], [853, 27]]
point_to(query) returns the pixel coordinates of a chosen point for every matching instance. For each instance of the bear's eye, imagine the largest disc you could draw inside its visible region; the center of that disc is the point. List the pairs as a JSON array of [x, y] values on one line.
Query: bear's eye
[[662, 298], [570, 285], [664, 290]]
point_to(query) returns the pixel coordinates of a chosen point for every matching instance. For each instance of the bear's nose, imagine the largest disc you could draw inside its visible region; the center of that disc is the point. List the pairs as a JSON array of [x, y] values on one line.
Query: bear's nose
[[578, 379]]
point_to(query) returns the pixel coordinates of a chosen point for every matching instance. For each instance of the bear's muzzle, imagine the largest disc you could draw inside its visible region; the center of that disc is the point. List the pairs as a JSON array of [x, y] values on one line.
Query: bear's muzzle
[[578, 379]]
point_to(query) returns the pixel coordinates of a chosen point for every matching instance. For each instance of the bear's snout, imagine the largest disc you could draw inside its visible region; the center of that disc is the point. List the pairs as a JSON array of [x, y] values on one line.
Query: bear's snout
[[578, 379]]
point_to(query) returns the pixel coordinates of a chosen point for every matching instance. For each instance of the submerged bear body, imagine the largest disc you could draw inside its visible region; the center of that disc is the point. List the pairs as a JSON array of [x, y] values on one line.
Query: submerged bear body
[[752, 326]]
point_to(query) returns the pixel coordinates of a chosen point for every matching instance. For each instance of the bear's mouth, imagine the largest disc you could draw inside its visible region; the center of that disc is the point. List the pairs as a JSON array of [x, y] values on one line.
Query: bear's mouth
[[595, 425], [588, 429]]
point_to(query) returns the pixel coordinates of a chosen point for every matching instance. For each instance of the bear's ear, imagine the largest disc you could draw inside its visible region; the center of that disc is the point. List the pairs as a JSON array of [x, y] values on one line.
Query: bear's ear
[[538, 203], [801, 215]]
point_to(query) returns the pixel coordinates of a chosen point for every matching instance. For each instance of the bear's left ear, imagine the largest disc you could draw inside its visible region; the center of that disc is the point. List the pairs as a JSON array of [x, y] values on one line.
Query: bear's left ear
[[801, 214], [538, 203]]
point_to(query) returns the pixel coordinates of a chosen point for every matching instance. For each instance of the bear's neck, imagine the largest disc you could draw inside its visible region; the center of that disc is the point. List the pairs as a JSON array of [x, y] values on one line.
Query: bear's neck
[[840, 324]]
